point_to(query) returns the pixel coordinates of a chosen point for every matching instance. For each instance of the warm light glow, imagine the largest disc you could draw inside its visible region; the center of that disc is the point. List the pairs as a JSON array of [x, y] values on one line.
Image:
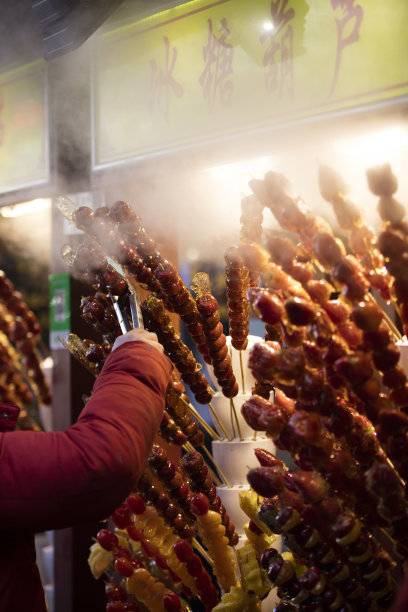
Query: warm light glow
[[250, 168], [192, 254], [375, 146], [268, 26], [24, 208]]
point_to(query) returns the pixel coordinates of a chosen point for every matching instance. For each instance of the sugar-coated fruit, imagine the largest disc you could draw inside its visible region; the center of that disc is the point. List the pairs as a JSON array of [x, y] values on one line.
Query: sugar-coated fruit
[[115, 606], [300, 311], [266, 481], [267, 459], [107, 539], [124, 566], [184, 551], [194, 566], [136, 503], [115, 592], [310, 484], [83, 217], [199, 504], [367, 315], [121, 516], [171, 602]]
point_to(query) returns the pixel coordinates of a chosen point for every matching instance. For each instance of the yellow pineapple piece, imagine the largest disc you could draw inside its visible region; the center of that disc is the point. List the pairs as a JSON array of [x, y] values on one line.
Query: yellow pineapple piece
[[250, 570], [298, 567], [260, 541], [249, 502], [212, 533], [99, 560], [237, 600], [161, 535], [147, 589]]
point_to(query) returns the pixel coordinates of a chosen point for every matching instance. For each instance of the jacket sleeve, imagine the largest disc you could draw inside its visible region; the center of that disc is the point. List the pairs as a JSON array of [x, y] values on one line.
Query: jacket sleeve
[[50, 480]]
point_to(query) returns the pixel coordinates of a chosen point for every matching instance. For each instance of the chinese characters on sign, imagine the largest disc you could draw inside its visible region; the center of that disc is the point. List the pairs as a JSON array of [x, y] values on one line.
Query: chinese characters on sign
[[208, 68], [278, 57], [348, 17], [163, 83], [218, 55]]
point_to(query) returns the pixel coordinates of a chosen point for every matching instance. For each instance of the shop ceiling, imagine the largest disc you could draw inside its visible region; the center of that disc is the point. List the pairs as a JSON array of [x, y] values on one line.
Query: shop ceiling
[[31, 29]]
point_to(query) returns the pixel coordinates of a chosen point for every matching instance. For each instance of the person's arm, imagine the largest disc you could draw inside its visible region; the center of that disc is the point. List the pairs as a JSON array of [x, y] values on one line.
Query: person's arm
[[57, 479]]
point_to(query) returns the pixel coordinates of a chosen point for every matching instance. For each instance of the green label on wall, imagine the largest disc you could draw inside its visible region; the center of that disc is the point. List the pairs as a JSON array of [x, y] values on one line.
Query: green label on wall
[[60, 315]]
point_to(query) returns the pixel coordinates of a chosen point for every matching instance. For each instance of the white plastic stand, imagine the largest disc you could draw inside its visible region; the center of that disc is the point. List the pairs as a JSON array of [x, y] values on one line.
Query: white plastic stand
[[235, 456]]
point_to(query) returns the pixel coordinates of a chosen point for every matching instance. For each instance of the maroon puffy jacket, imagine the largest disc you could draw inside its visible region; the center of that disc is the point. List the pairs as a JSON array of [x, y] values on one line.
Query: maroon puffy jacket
[[50, 480]]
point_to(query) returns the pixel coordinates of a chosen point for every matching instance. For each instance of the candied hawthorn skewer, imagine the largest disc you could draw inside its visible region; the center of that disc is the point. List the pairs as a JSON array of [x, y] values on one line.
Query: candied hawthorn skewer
[[378, 342], [270, 362], [216, 341], [207, 592], [212, 534], [251, 227], [13, 300], [311, 302], [354, 369], [317, 237], [183, 303], [175, 484], [88, 261], [174, 291], [158, 321], [392, 241], [168, 506], [185, 416], [317, 528], [302, 590], [312, 447], [170, 431], [292, 259], [237, 281], [97, 312], [201, 482], [13, 386], [362, 238], [19, 333], [383, 183], [291, 214], [20, 324], [147, 526], [138, 581], [104, 229]]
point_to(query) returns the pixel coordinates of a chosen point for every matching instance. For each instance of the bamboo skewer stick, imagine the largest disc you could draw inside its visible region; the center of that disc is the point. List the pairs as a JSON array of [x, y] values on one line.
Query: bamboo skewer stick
[[189, 448], [242, 371], [392, 543], [202, 551], [214, 413], [217, 467], [200, 419], [78, 357], [234, 412], [402, 482], [393, 328], [232, 420], [239, 566]]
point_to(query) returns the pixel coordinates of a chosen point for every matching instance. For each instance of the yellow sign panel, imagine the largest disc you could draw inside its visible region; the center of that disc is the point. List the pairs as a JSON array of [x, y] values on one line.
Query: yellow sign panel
[[23, 127], [208, 69]]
